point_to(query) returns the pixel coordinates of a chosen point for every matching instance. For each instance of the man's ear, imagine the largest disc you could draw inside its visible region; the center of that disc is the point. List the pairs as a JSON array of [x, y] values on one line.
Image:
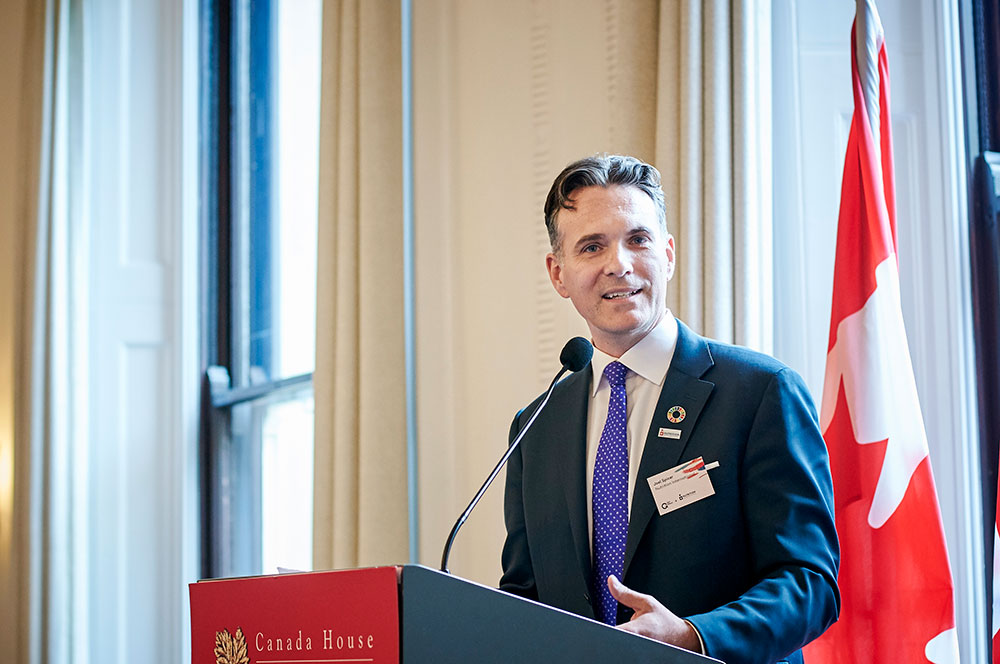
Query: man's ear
[[671, 257], [555, 274]]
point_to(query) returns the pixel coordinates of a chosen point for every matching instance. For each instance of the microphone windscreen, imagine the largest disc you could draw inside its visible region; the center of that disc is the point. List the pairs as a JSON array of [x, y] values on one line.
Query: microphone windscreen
[[576, 353]]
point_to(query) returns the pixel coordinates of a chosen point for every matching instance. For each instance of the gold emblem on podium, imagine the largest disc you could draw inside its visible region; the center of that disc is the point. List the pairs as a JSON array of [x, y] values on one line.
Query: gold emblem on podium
[[231, 648]]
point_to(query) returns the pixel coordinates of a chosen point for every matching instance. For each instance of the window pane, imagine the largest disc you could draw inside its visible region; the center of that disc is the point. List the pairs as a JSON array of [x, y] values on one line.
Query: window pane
[[279, 130], [286, 430], [299, 57]]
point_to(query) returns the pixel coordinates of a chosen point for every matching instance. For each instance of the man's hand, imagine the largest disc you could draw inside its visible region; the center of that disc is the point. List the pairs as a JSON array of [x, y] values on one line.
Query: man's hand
[[652, 619]]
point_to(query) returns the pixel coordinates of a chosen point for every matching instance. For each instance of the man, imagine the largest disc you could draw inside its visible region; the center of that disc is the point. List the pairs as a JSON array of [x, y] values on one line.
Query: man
[[680, 487]]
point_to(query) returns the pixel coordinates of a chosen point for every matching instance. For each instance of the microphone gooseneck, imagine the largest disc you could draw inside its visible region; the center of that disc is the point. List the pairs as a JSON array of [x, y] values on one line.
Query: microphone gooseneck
[[575, 355]]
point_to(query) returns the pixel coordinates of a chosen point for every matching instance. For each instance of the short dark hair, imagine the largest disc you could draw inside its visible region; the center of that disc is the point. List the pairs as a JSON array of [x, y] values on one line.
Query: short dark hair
[[603, 170]]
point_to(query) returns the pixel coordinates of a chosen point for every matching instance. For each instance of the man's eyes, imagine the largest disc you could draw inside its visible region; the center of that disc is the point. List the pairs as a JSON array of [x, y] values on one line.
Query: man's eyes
[[593, 247]]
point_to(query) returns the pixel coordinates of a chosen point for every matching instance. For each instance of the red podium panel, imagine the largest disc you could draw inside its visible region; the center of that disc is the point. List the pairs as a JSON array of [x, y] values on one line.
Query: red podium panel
[[321, 617]]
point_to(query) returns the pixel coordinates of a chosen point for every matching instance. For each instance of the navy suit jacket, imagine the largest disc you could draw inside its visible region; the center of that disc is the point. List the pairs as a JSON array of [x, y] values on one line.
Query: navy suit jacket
[[753, 567]]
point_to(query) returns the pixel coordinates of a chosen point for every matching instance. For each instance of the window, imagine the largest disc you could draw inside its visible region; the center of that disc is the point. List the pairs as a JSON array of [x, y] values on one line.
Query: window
[[259, 117], [983, 117]]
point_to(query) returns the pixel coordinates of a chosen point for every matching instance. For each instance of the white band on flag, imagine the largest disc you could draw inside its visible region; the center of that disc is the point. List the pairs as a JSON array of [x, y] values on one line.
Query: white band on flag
[[869, 37]]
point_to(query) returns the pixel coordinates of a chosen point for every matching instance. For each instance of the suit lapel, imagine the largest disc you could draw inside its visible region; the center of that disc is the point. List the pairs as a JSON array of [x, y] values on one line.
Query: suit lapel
[[682, 387], [570, 407]]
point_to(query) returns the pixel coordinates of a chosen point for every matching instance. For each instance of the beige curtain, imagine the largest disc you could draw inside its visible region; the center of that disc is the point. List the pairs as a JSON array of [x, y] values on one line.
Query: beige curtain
[[360, 474], [42, 553], [20, 99], [21, 74], [713, 143]]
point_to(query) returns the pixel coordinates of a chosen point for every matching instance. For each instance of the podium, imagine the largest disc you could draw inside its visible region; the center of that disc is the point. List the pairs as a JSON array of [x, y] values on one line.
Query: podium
[[410, 614]]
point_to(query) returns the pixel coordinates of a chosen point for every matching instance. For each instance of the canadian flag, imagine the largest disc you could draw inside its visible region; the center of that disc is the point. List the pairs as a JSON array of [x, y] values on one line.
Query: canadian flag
[[895, 580]]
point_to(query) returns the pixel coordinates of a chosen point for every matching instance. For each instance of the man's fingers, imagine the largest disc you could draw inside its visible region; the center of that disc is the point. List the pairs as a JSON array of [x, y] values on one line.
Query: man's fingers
[[625, 595], [652, 619]]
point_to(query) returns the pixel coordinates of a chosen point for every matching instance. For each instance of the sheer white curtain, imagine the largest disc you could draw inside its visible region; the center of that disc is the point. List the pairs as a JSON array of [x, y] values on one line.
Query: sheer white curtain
[[360, 515], [713, 143], [46, 570]]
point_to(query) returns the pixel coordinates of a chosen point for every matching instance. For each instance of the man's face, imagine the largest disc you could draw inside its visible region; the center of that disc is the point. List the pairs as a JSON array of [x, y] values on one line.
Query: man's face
[[614, 263]]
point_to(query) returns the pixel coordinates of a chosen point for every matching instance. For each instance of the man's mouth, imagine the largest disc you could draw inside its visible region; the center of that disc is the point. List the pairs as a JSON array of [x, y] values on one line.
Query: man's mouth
[[621, 294]]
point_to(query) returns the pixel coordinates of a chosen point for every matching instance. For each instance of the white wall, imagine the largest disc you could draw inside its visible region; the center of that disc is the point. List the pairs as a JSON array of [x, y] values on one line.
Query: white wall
[[141, 472], [813, 106]]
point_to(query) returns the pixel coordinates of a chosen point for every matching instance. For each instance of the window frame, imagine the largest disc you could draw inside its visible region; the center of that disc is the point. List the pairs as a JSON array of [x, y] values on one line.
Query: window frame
[[235, 281], [981, 43]]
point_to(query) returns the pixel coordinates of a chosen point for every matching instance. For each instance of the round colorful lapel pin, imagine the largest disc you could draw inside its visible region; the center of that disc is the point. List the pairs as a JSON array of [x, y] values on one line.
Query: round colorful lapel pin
[[676, 414]]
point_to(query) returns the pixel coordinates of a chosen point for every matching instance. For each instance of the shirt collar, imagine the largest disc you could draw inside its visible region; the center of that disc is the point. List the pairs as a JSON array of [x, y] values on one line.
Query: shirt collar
[[649, 357]]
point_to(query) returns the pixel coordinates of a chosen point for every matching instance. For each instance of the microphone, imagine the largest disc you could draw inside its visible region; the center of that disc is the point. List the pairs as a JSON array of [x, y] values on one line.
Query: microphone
[[575, 355]]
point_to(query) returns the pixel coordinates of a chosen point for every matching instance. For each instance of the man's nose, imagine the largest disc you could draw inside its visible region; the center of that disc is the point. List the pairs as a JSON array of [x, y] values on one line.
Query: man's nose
[[619, 261]]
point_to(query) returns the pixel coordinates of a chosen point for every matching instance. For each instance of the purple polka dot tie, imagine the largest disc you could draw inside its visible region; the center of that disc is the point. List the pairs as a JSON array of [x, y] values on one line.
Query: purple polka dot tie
[[610, 499]]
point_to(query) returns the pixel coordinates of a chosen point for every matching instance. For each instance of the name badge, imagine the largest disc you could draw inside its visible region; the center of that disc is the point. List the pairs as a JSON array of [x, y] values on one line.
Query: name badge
[[682, 485]]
